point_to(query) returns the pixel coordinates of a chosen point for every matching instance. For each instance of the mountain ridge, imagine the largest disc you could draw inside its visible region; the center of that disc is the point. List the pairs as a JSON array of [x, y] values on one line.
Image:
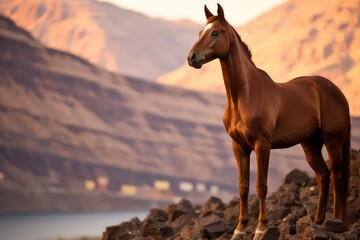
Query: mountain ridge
[[65, 121], [117, 39]]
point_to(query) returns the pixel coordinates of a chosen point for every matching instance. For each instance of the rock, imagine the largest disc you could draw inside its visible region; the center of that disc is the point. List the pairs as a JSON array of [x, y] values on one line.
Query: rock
[[194, 231], [136, 221], [312, 231], [276, 212], [288, 194], [311, 205], [225, 236], [286, 228], [297, 177], [303, 223], [335, 236], [334, 225], [213, 204], [354, 211], [354, 232], [126, 230], [174, 211], [292, 237], [219, 213], [271, 233], [307, 191], [181, 222], [186, 204], [158, 215], [298, 211], [110, 232], [208, 220], [215, 230], [212, 225], [156, 229]]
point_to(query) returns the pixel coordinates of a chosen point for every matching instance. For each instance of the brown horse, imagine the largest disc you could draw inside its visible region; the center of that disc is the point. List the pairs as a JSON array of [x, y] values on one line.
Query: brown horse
[[261, 114]]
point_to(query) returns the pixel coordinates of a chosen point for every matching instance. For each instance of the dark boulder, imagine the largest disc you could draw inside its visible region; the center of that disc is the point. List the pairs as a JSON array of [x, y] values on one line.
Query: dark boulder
[[158, 214], [271, 233], [334, 225], [297, 177], [157, 230], [175, 210]]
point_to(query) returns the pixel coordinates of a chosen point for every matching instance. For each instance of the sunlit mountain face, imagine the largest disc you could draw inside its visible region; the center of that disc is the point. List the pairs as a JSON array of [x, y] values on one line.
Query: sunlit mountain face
[[116, 39]]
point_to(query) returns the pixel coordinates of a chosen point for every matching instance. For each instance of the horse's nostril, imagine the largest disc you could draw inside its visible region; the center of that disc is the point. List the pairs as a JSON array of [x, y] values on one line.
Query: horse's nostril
[[193, 56]]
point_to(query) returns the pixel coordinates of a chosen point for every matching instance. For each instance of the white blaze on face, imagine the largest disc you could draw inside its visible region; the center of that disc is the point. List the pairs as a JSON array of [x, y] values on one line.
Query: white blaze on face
[[206, 28]]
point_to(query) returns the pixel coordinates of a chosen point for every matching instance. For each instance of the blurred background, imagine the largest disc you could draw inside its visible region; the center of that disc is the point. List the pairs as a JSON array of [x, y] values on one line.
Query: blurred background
[[100, 113]]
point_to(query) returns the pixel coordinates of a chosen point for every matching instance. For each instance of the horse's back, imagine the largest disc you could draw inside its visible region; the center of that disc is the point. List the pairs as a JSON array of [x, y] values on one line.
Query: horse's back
[[332, 105], [307, 104]]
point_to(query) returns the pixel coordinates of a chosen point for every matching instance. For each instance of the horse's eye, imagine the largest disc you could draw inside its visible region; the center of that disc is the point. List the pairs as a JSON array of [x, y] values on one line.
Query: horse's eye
[[215, 33]]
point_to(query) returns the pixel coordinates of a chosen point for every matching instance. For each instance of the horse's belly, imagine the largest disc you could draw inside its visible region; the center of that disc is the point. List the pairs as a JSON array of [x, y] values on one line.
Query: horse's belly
[[288, 136], [284, 144]]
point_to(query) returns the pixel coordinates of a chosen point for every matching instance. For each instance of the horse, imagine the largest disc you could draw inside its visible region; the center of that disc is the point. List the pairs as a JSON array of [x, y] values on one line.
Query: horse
[[261, 114]]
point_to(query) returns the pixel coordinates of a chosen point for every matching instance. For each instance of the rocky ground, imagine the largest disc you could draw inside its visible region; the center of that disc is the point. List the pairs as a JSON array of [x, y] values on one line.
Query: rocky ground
[[290, 211]]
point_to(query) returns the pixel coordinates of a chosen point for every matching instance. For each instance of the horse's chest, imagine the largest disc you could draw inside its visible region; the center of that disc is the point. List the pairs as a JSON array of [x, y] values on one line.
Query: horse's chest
[[237, 129]]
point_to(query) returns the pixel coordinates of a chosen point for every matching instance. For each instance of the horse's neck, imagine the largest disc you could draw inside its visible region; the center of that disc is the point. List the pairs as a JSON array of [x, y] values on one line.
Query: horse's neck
[[238, 73]]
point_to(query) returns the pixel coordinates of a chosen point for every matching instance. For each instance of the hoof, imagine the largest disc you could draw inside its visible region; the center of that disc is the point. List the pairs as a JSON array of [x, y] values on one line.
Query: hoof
[[259, 235], [238, 235]]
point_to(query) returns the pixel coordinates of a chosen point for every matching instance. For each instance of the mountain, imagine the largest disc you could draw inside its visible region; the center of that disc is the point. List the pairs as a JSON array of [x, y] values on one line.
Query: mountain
[[296, 38], [65, 121], [117, 39]]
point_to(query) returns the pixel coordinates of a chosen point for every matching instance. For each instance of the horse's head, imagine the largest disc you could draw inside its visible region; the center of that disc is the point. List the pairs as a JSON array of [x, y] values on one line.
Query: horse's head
[[213, 40]]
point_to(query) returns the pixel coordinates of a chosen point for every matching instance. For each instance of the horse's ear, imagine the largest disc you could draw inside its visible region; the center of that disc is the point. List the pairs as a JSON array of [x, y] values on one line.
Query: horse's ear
[[220, 12], [208, 14]]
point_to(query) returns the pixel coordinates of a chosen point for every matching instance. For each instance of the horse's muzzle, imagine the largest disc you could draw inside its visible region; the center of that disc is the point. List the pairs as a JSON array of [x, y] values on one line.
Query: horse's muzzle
[[195, 60]]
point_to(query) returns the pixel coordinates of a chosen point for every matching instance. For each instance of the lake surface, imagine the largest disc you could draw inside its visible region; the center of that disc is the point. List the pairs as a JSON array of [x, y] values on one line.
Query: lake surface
[[66, 225]]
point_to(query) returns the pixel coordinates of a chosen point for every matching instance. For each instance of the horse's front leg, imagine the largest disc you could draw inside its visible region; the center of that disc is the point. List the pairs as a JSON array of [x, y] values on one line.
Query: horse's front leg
[[262, 150], [242, 156]]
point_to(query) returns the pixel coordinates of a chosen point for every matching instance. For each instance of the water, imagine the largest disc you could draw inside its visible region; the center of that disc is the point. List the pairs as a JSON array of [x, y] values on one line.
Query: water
[[65, 225]]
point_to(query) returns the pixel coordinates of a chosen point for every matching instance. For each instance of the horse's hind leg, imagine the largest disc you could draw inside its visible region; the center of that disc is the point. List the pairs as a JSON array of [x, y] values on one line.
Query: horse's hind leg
[[312, 148], [337, 176]]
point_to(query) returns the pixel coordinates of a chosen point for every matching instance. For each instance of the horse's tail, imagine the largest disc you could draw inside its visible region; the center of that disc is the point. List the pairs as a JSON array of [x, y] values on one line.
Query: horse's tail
[[346, 167]]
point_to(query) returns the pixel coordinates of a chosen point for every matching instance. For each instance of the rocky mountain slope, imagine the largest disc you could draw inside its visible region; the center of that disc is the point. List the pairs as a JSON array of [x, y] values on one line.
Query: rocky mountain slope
[[296, 38], [116, 39], [290, 211], [64, 121]]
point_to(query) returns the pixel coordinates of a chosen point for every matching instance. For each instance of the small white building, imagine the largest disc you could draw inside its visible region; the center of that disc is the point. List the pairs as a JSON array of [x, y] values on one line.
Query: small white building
[[128, 190], [89, 185], [103, 182], [214, 189], [200, 187], [186, 186], [162, 185]]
